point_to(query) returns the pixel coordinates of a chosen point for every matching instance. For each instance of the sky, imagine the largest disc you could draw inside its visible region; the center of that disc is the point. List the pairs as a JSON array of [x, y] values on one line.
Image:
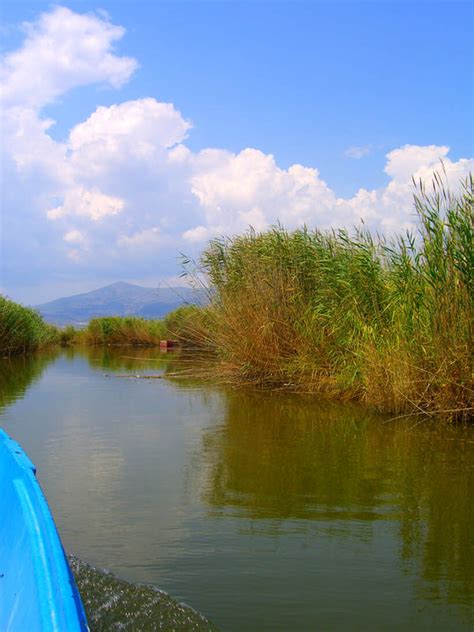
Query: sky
[[135, 131]]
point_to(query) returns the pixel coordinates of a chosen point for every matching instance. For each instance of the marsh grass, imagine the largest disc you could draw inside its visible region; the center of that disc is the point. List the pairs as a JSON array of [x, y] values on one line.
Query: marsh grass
[[188, 325], [128, 330], [22, 329], [351, 315]]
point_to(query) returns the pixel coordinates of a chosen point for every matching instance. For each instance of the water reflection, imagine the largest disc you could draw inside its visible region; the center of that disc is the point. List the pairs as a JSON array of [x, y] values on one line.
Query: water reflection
[[262, 511], [289, 458], [115, 359], [17, 374]]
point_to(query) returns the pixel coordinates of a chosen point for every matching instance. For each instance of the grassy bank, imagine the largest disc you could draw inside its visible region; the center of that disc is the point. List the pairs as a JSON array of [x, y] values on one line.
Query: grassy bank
[[22, 329], [353, 316]]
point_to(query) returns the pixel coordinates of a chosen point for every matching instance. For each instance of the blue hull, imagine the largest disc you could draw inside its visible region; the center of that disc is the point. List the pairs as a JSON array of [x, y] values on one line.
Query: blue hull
[[37, 589]]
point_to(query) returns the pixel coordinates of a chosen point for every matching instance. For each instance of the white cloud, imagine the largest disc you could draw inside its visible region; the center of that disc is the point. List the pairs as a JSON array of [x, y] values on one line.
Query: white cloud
[[146, 123], [87, 203], [408, 160], [74, 236], [141, 239], [27, 142], [56, 213], [236, 190], [123, 193], [63, 50], [357, 152], [197, 234]]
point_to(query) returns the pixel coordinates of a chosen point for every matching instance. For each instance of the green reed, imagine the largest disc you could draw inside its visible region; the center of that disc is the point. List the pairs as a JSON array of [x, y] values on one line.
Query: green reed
[[352, 315], [123, 330], [22, 329]]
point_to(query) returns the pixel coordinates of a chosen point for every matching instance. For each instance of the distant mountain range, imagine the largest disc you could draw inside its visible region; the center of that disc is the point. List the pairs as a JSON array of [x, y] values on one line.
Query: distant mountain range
[[118, 299]]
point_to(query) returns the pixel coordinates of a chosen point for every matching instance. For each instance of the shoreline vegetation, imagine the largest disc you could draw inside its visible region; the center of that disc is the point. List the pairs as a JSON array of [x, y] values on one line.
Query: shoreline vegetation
[[351, 316], [116, 330], [23, 330], [387, 323]]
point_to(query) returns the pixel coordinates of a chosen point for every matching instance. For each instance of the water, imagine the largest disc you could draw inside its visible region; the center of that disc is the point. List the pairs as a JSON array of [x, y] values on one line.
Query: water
[[261, 511], [113, 604]]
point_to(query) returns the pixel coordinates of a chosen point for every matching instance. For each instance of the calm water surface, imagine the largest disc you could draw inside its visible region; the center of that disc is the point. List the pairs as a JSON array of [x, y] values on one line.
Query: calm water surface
[[262, 511]]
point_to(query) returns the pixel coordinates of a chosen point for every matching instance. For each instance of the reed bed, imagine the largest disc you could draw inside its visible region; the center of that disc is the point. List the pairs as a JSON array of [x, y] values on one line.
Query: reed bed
[[354, 316], [22, 329], [188, 325], [128, 330]]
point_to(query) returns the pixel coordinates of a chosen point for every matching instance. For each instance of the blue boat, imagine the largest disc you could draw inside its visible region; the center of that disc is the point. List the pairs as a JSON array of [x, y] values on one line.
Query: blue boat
[[37, 590]]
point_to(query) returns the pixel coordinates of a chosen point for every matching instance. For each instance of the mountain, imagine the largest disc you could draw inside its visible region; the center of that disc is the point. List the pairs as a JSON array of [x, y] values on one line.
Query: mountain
[[118, 299]]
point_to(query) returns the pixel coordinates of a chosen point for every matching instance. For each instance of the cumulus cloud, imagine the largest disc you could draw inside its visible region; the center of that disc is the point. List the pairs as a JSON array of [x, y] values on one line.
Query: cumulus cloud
[[63, 50], [91, 204], [402, 163], [122, 194], [249, 188], [143, 126]]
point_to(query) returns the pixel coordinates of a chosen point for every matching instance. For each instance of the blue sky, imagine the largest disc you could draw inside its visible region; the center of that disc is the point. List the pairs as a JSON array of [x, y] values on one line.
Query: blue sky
[[332, 86]]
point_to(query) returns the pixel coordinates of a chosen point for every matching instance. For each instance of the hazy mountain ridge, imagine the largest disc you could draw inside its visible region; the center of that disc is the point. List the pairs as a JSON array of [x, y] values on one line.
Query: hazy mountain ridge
[[118, 299]]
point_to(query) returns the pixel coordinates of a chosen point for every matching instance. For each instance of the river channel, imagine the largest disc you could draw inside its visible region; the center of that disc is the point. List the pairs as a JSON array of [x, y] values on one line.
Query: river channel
[[262, 511]]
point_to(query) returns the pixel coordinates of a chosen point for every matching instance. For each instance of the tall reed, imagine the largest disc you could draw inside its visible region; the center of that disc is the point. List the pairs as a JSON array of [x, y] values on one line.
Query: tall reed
[[129, 330], [352, 315], [188, 324], [22, 329]]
